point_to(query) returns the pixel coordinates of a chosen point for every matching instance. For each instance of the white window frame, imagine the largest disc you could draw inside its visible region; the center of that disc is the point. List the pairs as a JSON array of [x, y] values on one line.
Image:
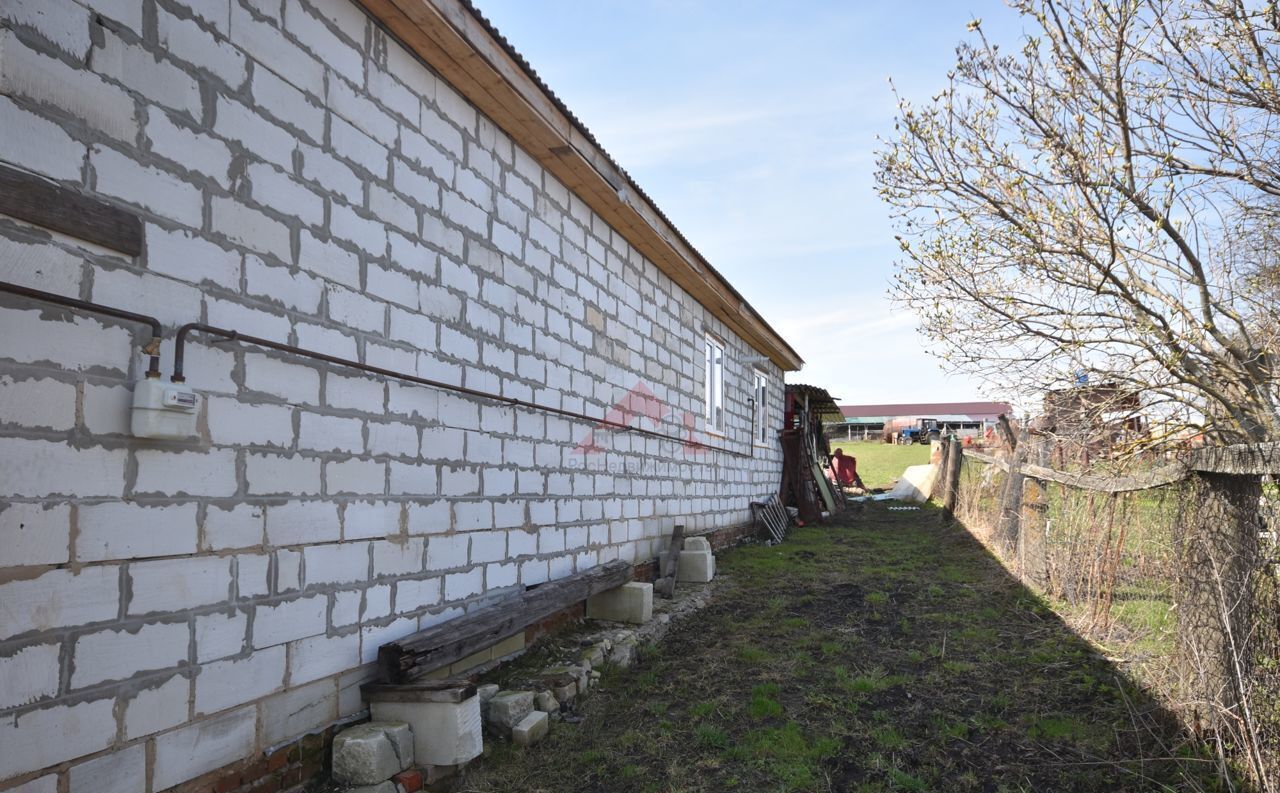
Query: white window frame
[[760, 414], [713, 384]]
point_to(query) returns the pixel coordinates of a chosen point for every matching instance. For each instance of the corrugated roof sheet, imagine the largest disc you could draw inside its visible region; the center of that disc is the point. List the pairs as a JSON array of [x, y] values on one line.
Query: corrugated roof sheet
[[927, 409]]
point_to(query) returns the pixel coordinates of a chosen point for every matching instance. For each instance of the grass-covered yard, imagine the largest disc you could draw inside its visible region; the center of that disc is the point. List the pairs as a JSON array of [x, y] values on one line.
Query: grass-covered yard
[[887, 653], [881, 463]]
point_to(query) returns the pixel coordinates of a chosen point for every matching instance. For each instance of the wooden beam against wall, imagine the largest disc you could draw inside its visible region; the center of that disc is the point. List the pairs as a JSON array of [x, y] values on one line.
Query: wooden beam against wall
[[36, 200]]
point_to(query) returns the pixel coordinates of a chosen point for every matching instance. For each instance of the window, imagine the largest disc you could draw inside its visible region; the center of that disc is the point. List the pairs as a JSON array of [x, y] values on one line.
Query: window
[[714, 390], [760, 413]]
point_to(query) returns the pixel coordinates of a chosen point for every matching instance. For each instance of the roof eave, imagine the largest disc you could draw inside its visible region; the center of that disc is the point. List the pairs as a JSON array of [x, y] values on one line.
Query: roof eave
[[451, 37]]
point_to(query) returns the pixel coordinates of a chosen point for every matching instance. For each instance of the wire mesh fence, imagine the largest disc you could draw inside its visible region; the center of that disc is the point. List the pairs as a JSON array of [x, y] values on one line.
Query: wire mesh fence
[[1118, 565]]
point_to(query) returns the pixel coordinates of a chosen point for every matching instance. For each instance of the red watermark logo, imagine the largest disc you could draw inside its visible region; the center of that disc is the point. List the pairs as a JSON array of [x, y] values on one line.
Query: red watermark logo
[[641, 405]]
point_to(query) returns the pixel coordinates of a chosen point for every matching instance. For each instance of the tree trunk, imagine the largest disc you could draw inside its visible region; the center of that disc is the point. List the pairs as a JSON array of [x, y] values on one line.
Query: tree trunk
[[1220, 556]]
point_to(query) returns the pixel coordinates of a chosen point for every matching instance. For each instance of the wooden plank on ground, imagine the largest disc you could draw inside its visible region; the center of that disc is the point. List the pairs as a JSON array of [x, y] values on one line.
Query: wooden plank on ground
[[440, 645], [36, 200], [665, 586]]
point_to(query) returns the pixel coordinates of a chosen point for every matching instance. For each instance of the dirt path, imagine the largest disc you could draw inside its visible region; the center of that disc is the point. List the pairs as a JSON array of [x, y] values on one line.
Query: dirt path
[[891, 653]]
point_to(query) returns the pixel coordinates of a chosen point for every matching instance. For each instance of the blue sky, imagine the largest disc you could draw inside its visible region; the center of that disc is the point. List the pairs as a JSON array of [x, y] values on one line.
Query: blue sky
[[753, 126]]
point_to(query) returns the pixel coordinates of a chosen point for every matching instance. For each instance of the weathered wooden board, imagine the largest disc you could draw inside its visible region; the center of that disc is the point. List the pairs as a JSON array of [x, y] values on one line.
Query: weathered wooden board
[[1157, 477], [665, 586], [36, 200], [440, 645], [1251, 459]]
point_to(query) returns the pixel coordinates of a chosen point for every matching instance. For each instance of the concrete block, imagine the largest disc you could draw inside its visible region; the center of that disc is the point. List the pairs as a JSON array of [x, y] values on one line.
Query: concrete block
[[34, 534], [382, 787], [696, 567], [220, 635], [508, 708], [295, 619], [299, 710], [116, 655], [203, 746], [546, 702], [631, 602], [697, 544], [41, 738], [531, 729], [28, 675], [176, 584], [125, 530], [123, 771], [444, 733], [156, 709], [371, 753], [224, 684]]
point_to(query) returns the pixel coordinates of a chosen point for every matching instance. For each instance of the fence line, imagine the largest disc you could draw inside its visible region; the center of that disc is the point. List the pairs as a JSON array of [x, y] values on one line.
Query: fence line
[[1176, 549]]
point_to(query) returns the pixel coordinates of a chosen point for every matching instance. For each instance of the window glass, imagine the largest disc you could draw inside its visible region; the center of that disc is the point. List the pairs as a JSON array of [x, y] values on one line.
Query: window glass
[[714, 389], [760, 417]]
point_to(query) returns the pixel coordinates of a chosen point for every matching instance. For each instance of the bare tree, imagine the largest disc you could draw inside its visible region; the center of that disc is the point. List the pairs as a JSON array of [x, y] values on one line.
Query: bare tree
[[1104, 201]]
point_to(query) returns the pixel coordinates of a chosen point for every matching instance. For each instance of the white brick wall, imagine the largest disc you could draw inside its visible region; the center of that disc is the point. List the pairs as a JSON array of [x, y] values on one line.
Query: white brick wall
[[191, 601], [118, 654]]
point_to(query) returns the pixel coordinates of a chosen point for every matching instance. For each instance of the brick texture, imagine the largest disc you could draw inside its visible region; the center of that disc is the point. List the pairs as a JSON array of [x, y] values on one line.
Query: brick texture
[[173, 608]]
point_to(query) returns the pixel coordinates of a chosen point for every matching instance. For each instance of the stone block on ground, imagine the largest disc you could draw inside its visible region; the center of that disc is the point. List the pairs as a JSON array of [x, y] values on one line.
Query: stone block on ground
[[624, 653], [485, 693], [562, 682], [546, 702], [592, 656], [696, 567], [368, 754], [446, 721], [531, 729], [508, 709], [632, 602]]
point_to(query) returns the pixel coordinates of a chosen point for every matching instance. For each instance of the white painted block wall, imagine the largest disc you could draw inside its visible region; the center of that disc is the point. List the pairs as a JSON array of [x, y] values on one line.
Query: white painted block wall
[[167, 608]]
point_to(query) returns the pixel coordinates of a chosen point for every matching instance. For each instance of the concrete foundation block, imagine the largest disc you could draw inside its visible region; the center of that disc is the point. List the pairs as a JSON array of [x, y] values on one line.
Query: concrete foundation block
[[697, 544], [508, 709], [531, 729], [631, 602], [446, 724], [369, 754], [696, 567]]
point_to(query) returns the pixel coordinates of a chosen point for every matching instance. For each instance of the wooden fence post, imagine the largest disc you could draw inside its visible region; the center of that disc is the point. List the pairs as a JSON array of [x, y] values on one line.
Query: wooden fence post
[[1011, 499], [940, 482], [954, 457], [1219, 556], [1033, 560]]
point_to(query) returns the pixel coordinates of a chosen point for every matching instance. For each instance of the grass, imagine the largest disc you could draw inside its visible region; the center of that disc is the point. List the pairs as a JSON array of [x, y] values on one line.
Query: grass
[[879, 464], [888, 653]]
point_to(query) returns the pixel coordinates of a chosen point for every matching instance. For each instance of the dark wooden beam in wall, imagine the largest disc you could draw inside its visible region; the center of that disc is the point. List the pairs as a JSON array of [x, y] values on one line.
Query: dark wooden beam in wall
[[36, 200]]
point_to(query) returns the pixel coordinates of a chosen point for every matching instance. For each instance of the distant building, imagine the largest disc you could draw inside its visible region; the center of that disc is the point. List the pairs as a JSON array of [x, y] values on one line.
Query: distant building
[[966, 418]]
